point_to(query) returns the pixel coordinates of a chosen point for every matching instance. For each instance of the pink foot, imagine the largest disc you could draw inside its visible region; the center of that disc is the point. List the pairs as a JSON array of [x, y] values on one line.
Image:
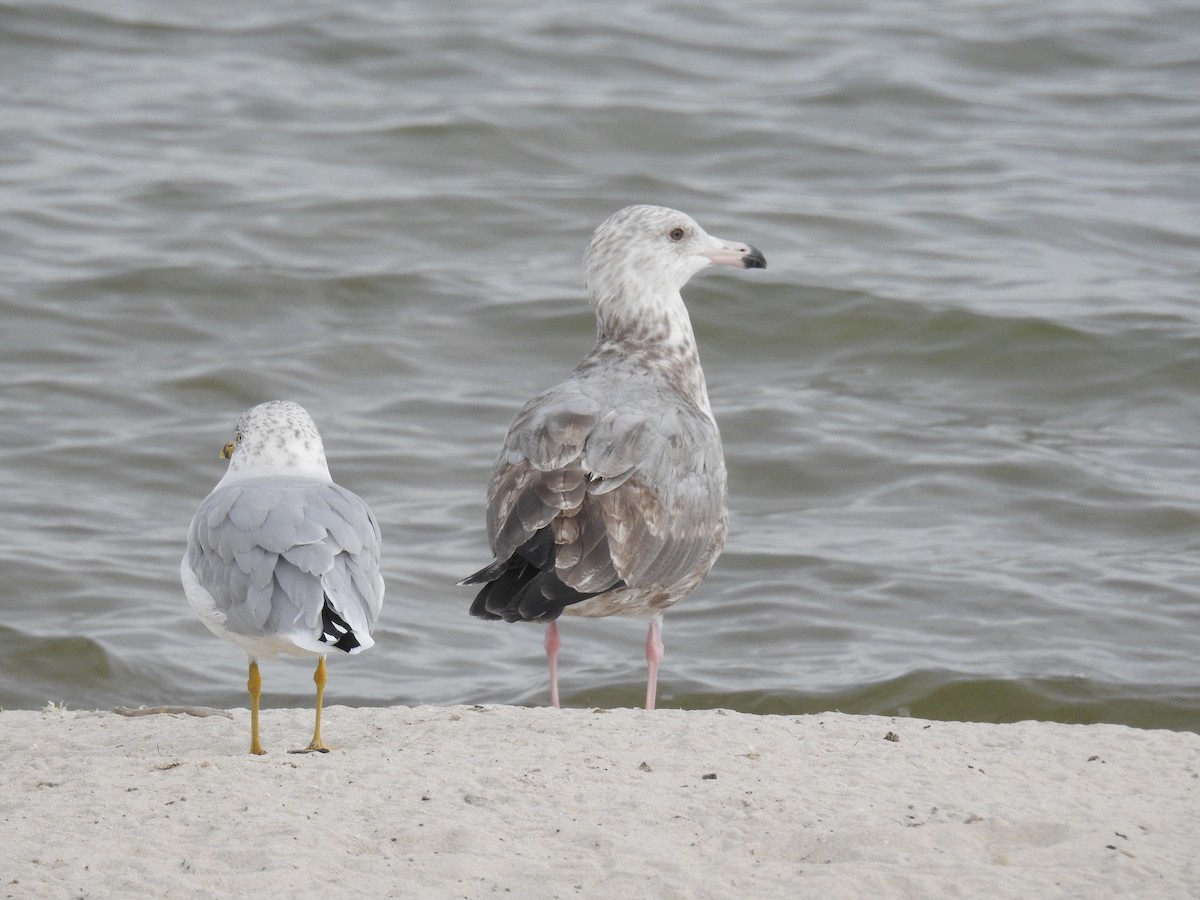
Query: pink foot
[[552, 644], [654, 655]]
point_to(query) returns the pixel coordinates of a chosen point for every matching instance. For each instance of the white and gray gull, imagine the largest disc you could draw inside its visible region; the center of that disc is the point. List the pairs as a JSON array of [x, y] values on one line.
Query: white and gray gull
[[279, 558], [609, 494]]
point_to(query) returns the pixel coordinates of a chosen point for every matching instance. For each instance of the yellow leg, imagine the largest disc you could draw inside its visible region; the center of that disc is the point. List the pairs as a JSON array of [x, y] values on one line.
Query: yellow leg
[[319, 680], [254, 686]]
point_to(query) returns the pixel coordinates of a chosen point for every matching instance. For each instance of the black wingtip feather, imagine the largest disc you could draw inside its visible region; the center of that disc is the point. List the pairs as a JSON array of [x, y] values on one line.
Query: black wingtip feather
[[336, 631], [525, 587]]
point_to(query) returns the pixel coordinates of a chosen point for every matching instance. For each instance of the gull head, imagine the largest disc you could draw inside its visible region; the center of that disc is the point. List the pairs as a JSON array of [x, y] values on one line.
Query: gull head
[[275, 438], [653, 251]]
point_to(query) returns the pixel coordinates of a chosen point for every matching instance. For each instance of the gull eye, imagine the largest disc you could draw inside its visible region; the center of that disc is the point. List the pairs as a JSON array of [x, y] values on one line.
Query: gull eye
[[238, 437], [676, 234]]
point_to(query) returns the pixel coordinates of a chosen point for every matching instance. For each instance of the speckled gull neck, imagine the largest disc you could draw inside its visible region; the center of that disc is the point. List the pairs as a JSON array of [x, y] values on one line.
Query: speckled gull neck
[[276, 438], [634, 268]]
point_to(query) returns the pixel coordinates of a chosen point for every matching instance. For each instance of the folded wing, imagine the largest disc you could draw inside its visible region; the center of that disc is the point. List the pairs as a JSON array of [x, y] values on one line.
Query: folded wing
[[586, 498], [290, 556]]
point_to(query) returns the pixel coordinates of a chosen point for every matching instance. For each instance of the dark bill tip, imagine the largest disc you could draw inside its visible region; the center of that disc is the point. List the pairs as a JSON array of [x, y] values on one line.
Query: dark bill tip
[[754, 259]]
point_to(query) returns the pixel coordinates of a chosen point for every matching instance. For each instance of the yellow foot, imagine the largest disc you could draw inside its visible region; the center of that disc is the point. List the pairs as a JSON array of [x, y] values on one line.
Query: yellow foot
[[254, 686], [316, 745]]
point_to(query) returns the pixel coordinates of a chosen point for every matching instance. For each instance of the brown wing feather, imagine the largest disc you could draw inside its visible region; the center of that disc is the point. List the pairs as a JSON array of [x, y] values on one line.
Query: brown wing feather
[[633, 497]]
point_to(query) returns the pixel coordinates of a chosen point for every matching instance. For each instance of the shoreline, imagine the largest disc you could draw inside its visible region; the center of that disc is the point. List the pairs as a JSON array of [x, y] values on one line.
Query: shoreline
[[471, 801]]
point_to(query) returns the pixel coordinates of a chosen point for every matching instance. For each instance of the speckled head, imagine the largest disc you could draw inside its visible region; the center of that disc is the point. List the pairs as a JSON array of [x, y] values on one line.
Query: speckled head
[[275, 438], [641, 257]]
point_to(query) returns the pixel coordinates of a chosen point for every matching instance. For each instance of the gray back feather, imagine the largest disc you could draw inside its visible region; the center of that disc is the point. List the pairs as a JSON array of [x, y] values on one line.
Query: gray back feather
[[270, 550]]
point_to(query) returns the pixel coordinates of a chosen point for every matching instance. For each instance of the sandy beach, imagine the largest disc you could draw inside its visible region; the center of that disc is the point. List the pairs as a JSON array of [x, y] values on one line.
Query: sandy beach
[[506, 801]]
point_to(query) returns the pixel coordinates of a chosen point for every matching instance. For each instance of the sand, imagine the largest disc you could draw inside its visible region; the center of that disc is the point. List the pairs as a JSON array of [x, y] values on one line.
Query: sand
[[504, 801]]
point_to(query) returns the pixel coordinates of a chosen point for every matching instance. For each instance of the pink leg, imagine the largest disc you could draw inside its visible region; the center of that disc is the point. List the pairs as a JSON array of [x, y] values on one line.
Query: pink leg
[[654, 655], [552, 644]]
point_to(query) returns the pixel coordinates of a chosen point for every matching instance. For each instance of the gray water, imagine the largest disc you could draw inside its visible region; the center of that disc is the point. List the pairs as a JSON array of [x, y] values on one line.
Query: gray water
[[960, 409]]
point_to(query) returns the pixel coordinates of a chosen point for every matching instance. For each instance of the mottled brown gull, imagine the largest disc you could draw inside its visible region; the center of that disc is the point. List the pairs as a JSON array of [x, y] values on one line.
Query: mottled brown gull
[[608, 497], [279, 558]]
